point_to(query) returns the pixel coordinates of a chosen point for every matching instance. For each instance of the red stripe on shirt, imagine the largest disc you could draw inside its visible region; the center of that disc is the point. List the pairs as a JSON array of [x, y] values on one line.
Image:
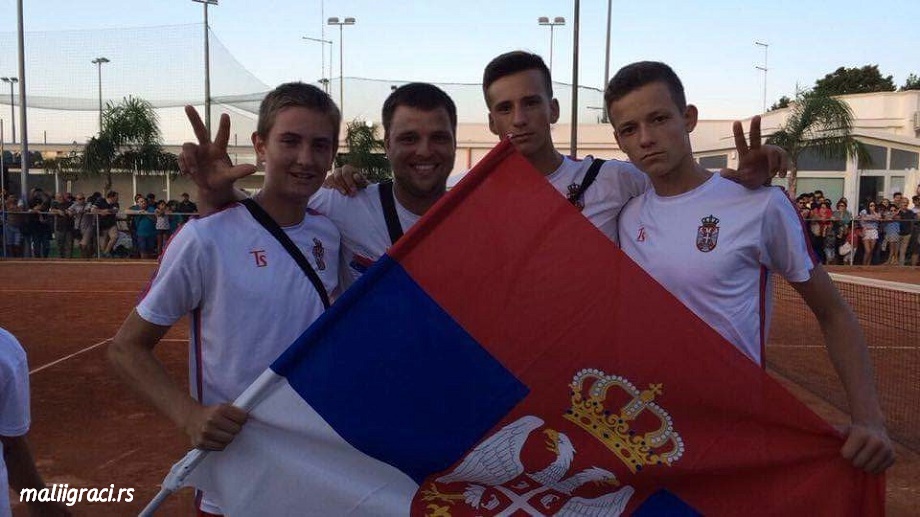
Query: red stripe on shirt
[[199, 385]]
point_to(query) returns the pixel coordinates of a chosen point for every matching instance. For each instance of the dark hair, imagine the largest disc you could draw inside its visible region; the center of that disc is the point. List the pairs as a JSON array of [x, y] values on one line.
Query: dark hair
[[512, 63], [423, 96], [110, 193], [634, 76], [299, 95]]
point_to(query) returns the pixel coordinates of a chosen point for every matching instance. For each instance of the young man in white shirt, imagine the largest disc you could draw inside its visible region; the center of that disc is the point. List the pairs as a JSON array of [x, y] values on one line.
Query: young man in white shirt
[[713, 244], [238, 280]]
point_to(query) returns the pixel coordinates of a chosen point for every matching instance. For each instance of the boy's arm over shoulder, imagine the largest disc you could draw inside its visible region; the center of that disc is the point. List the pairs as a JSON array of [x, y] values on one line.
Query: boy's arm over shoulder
[[867, 445]]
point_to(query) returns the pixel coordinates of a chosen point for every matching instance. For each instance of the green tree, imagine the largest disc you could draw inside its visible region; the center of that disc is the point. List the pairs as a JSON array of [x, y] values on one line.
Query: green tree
[[783, 102], [822, 125], [912, 83], [365, 151], [129, 141], [844, 81]]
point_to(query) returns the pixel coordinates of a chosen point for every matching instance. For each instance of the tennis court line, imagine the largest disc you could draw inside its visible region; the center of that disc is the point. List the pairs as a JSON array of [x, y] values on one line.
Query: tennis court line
[[87, 349], [61, 360]]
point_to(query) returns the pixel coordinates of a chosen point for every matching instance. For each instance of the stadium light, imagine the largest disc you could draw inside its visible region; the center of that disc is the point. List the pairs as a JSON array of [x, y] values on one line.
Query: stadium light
[[573, 146], [207, 66], [557, 21], [98, 62], [11, 81], [347, 21]]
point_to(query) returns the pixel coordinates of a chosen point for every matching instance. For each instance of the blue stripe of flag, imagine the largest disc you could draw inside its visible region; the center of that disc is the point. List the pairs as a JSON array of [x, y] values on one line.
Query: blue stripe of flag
[[397, 377]]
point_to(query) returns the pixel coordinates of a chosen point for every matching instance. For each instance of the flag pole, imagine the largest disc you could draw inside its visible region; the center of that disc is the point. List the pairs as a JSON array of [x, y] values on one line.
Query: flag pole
[[181, 470]]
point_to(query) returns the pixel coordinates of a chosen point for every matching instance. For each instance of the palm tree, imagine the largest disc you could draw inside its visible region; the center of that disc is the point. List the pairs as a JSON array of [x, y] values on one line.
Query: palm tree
[[364, 151], [129, 141], [822, 125]]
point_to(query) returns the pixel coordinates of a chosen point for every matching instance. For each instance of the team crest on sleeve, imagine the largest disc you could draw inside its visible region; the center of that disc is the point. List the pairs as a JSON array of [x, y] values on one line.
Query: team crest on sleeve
[[319, 252], [512, 473], [707, 236]]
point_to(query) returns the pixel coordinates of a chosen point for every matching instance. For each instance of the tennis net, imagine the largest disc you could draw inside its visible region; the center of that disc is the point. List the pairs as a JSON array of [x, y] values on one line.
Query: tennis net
[[889, 313]]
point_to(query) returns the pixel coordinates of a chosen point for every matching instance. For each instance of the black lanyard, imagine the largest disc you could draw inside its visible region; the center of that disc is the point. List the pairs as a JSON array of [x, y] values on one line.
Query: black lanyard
[[269, 224], [389, 211]]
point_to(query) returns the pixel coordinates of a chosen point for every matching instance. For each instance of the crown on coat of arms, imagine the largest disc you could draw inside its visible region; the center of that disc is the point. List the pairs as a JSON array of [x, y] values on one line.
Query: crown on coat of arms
[[710, 220], [637, 450]]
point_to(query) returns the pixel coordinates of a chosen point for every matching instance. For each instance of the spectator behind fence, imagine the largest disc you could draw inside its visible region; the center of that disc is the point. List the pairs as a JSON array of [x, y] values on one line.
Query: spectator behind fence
[[12, 227], [162, 225], [892, 234], [914, 248], [107, 209], [84, 223], [186, 207], [845, 238], [144, 225], [868, 220], [63, 224], [908, 221]]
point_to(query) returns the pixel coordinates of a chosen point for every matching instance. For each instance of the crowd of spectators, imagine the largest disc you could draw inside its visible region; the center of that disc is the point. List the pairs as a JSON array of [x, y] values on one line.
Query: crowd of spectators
[[93, 226], [883, 231]]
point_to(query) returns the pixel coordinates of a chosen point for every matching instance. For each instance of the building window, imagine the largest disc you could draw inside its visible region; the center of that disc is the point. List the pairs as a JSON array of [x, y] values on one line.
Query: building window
[[809, 160], [901, 160], [878, 157], [719, 161]]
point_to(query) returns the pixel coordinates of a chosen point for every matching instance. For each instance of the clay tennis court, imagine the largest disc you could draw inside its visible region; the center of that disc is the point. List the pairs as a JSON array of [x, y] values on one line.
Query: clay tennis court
[[89, 431]]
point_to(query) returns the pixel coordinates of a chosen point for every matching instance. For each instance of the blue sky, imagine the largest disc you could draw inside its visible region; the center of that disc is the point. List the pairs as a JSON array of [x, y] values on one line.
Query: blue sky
[[709, 42]]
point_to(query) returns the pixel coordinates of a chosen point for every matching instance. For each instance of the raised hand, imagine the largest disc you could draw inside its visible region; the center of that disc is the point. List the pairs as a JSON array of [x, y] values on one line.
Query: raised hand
[[208, 164], [757, 164]]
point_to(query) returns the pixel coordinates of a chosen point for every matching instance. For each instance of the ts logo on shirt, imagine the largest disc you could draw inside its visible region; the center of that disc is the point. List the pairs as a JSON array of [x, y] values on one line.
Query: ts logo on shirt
[[259, 256], [641, 236]]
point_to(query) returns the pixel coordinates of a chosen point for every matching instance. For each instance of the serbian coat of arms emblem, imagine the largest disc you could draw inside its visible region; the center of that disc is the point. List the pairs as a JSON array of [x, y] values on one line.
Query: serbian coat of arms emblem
[[498, 478], [707, 235]]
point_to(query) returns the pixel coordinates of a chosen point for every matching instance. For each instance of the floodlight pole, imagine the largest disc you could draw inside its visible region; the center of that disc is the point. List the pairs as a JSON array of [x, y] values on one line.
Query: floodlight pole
[[574, 143], [766, 47], [604, 118], [557, 21], [207, 66], [98, 62], [347, 21], [23, 133]]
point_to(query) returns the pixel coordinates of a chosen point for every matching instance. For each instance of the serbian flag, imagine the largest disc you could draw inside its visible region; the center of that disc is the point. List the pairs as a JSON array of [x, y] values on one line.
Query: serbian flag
[[505, 358]]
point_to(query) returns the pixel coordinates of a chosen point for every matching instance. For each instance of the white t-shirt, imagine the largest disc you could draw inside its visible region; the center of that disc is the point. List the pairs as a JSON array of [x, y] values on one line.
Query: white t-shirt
[[248, 298], [14, 403], [364, 229], [714, 248], [615, 184]]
